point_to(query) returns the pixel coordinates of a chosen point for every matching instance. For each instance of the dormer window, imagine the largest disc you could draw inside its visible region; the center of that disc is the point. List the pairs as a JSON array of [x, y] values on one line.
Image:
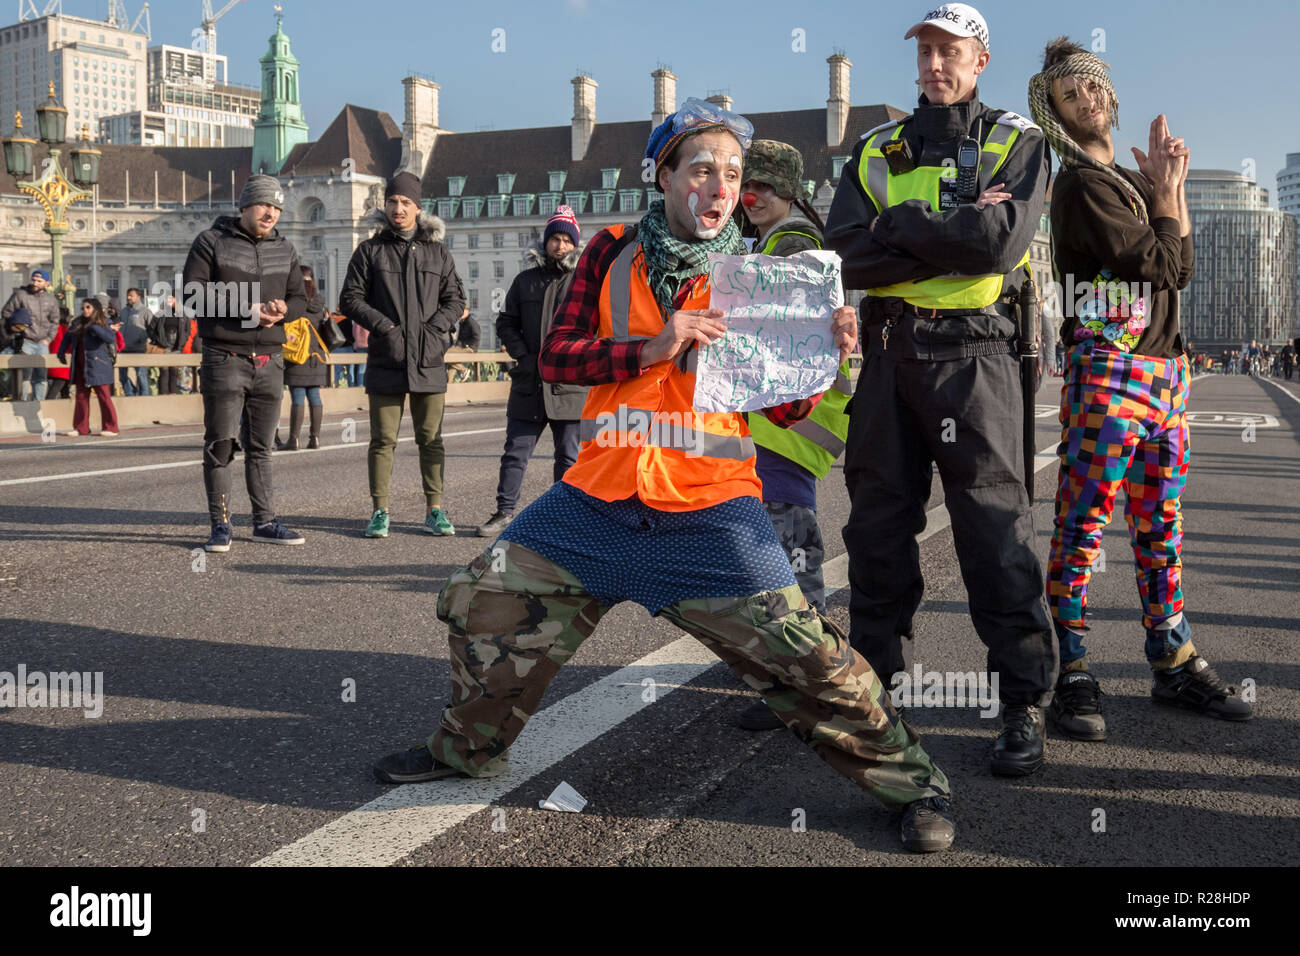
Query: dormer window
[[455, 185], [505, 182], [608, 178], [557, 180]]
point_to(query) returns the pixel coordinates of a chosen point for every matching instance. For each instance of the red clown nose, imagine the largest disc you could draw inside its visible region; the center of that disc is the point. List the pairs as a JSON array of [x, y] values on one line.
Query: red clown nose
[[748, 199]]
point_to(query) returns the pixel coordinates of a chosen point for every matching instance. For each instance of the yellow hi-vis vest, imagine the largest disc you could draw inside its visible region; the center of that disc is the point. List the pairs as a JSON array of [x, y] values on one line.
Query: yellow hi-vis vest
[[816, 441], [885, 190]]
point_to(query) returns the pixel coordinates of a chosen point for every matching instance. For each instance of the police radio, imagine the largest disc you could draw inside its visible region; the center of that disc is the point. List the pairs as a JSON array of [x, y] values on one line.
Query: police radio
[[968, 161]]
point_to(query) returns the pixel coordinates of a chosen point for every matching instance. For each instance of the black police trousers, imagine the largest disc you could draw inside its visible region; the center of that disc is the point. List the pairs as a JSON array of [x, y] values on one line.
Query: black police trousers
[[964, 415]]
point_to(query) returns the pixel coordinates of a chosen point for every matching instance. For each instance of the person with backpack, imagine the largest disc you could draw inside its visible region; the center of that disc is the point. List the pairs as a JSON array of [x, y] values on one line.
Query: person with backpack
[[33, 336], [60, 384], [522, 327], [93, 346], [791, 460], [167, 332], [306, 370]]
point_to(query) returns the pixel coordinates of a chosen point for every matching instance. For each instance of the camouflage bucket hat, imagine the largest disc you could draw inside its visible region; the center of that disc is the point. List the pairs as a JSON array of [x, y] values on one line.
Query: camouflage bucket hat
[[777, 164]]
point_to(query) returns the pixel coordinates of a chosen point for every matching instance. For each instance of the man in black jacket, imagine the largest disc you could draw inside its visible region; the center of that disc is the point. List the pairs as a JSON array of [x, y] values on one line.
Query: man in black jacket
[[241, 281], [402, 286], [934, 216], [522, 327], [1124, 240]]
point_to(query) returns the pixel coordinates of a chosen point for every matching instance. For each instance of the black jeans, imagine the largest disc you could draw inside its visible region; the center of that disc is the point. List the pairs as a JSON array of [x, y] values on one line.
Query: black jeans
[[964, 415], [240, 401], [521, 439]]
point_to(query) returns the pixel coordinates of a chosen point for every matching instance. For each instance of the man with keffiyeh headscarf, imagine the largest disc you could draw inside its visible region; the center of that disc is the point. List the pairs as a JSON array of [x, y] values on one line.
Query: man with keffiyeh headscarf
[[1122, 248], [663, 507]]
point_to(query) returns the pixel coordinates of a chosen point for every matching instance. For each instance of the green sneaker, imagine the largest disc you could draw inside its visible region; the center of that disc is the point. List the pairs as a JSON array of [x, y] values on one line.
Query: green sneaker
[[378, 527], [438, 523]]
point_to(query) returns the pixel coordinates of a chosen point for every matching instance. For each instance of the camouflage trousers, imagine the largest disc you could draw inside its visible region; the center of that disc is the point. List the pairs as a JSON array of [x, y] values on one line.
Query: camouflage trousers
[[515, 618], [801, 537]]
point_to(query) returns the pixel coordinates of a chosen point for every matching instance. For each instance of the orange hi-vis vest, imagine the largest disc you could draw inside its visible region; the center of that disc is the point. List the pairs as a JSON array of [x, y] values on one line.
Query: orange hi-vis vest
[[642, 436]]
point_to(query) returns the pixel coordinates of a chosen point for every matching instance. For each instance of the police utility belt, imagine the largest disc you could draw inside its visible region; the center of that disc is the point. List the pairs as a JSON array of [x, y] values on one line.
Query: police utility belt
[[884, 315]]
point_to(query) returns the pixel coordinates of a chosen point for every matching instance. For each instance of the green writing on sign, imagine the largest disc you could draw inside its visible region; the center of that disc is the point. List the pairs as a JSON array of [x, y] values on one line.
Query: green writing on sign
[[778, 346]]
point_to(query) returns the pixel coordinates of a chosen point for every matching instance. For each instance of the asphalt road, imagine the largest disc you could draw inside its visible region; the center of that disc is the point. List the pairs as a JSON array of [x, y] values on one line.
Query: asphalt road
[[226, 737]]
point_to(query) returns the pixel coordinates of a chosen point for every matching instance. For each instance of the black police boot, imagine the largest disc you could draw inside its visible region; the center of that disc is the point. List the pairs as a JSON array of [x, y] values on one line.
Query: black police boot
[[1019, 750]]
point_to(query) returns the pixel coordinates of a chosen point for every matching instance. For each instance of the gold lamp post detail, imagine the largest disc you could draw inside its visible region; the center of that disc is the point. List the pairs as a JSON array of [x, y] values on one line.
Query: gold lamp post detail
[[53, 190]]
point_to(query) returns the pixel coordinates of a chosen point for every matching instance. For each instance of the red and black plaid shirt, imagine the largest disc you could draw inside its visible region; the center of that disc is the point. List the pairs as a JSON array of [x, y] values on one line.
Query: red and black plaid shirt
[[573, 355]]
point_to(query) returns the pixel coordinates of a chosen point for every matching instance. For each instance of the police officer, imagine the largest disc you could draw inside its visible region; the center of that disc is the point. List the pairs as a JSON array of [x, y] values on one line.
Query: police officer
[[933, 217]]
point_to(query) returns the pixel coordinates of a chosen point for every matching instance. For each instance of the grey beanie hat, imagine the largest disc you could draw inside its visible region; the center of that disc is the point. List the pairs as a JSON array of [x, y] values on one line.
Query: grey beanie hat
[[264, 189]]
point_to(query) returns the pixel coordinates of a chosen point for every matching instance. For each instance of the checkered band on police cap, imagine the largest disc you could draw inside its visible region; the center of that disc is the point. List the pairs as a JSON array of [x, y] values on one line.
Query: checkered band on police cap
[[959, 19]]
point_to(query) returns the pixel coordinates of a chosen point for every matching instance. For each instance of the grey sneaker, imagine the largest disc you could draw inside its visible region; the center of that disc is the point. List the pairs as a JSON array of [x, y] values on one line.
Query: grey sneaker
[[1076, 707], [495, 525]]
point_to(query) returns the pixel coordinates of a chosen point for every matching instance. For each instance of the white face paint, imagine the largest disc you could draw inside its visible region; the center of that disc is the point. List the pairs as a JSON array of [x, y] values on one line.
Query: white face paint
[[735, 161], [703, 156]]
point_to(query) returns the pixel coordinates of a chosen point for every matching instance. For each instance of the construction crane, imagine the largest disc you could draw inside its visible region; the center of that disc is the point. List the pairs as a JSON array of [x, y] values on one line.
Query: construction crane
[[27, 9], [210, 24], [117, 18]]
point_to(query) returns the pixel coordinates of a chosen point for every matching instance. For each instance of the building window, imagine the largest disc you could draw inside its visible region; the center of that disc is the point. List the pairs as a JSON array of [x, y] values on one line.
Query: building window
[[628, 200], [505, 182], [523, 204], [608, 178], [498, 240], [449, 242], [495, 207], [577, 201], [473, 270], [523, 239], [455, 184], [837, 165], [471, 207], [498, 269], [473, 240], [447, 208], [546, 205], [602, 202], [473, 299], [557, 178]]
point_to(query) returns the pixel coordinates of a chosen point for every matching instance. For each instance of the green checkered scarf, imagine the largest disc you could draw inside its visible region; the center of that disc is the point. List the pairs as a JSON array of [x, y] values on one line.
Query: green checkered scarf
[[671, 261]]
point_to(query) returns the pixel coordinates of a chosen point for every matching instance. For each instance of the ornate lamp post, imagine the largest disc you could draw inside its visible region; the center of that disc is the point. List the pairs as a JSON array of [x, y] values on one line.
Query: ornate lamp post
[[53, 190]]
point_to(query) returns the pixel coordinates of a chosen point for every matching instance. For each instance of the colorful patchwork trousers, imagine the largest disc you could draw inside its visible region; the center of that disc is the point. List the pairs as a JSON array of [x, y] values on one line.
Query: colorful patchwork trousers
[[1122, 425], [515, 617]]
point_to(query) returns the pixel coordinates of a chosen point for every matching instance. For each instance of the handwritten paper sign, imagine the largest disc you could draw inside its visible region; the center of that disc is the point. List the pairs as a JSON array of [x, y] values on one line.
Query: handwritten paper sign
[[778, 345]]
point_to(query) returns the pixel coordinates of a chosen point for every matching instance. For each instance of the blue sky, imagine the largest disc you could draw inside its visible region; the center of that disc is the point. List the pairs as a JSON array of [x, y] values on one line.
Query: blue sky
[[1222, 73]]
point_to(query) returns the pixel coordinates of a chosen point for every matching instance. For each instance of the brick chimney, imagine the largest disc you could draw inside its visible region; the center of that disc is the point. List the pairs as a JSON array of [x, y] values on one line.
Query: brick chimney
[[664, 91], [837, 107], [584, 116], [420, 127], [719, 99]]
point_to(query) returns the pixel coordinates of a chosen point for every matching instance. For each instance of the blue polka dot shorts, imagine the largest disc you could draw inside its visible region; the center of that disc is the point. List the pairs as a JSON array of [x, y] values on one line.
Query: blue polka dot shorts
[[628, 551]]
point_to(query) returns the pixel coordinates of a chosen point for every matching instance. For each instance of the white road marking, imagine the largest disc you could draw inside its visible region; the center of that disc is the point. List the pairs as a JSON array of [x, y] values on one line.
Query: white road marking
[[396, 824], [1290, 394], [361, 421], [190, 463], [407, 817]]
